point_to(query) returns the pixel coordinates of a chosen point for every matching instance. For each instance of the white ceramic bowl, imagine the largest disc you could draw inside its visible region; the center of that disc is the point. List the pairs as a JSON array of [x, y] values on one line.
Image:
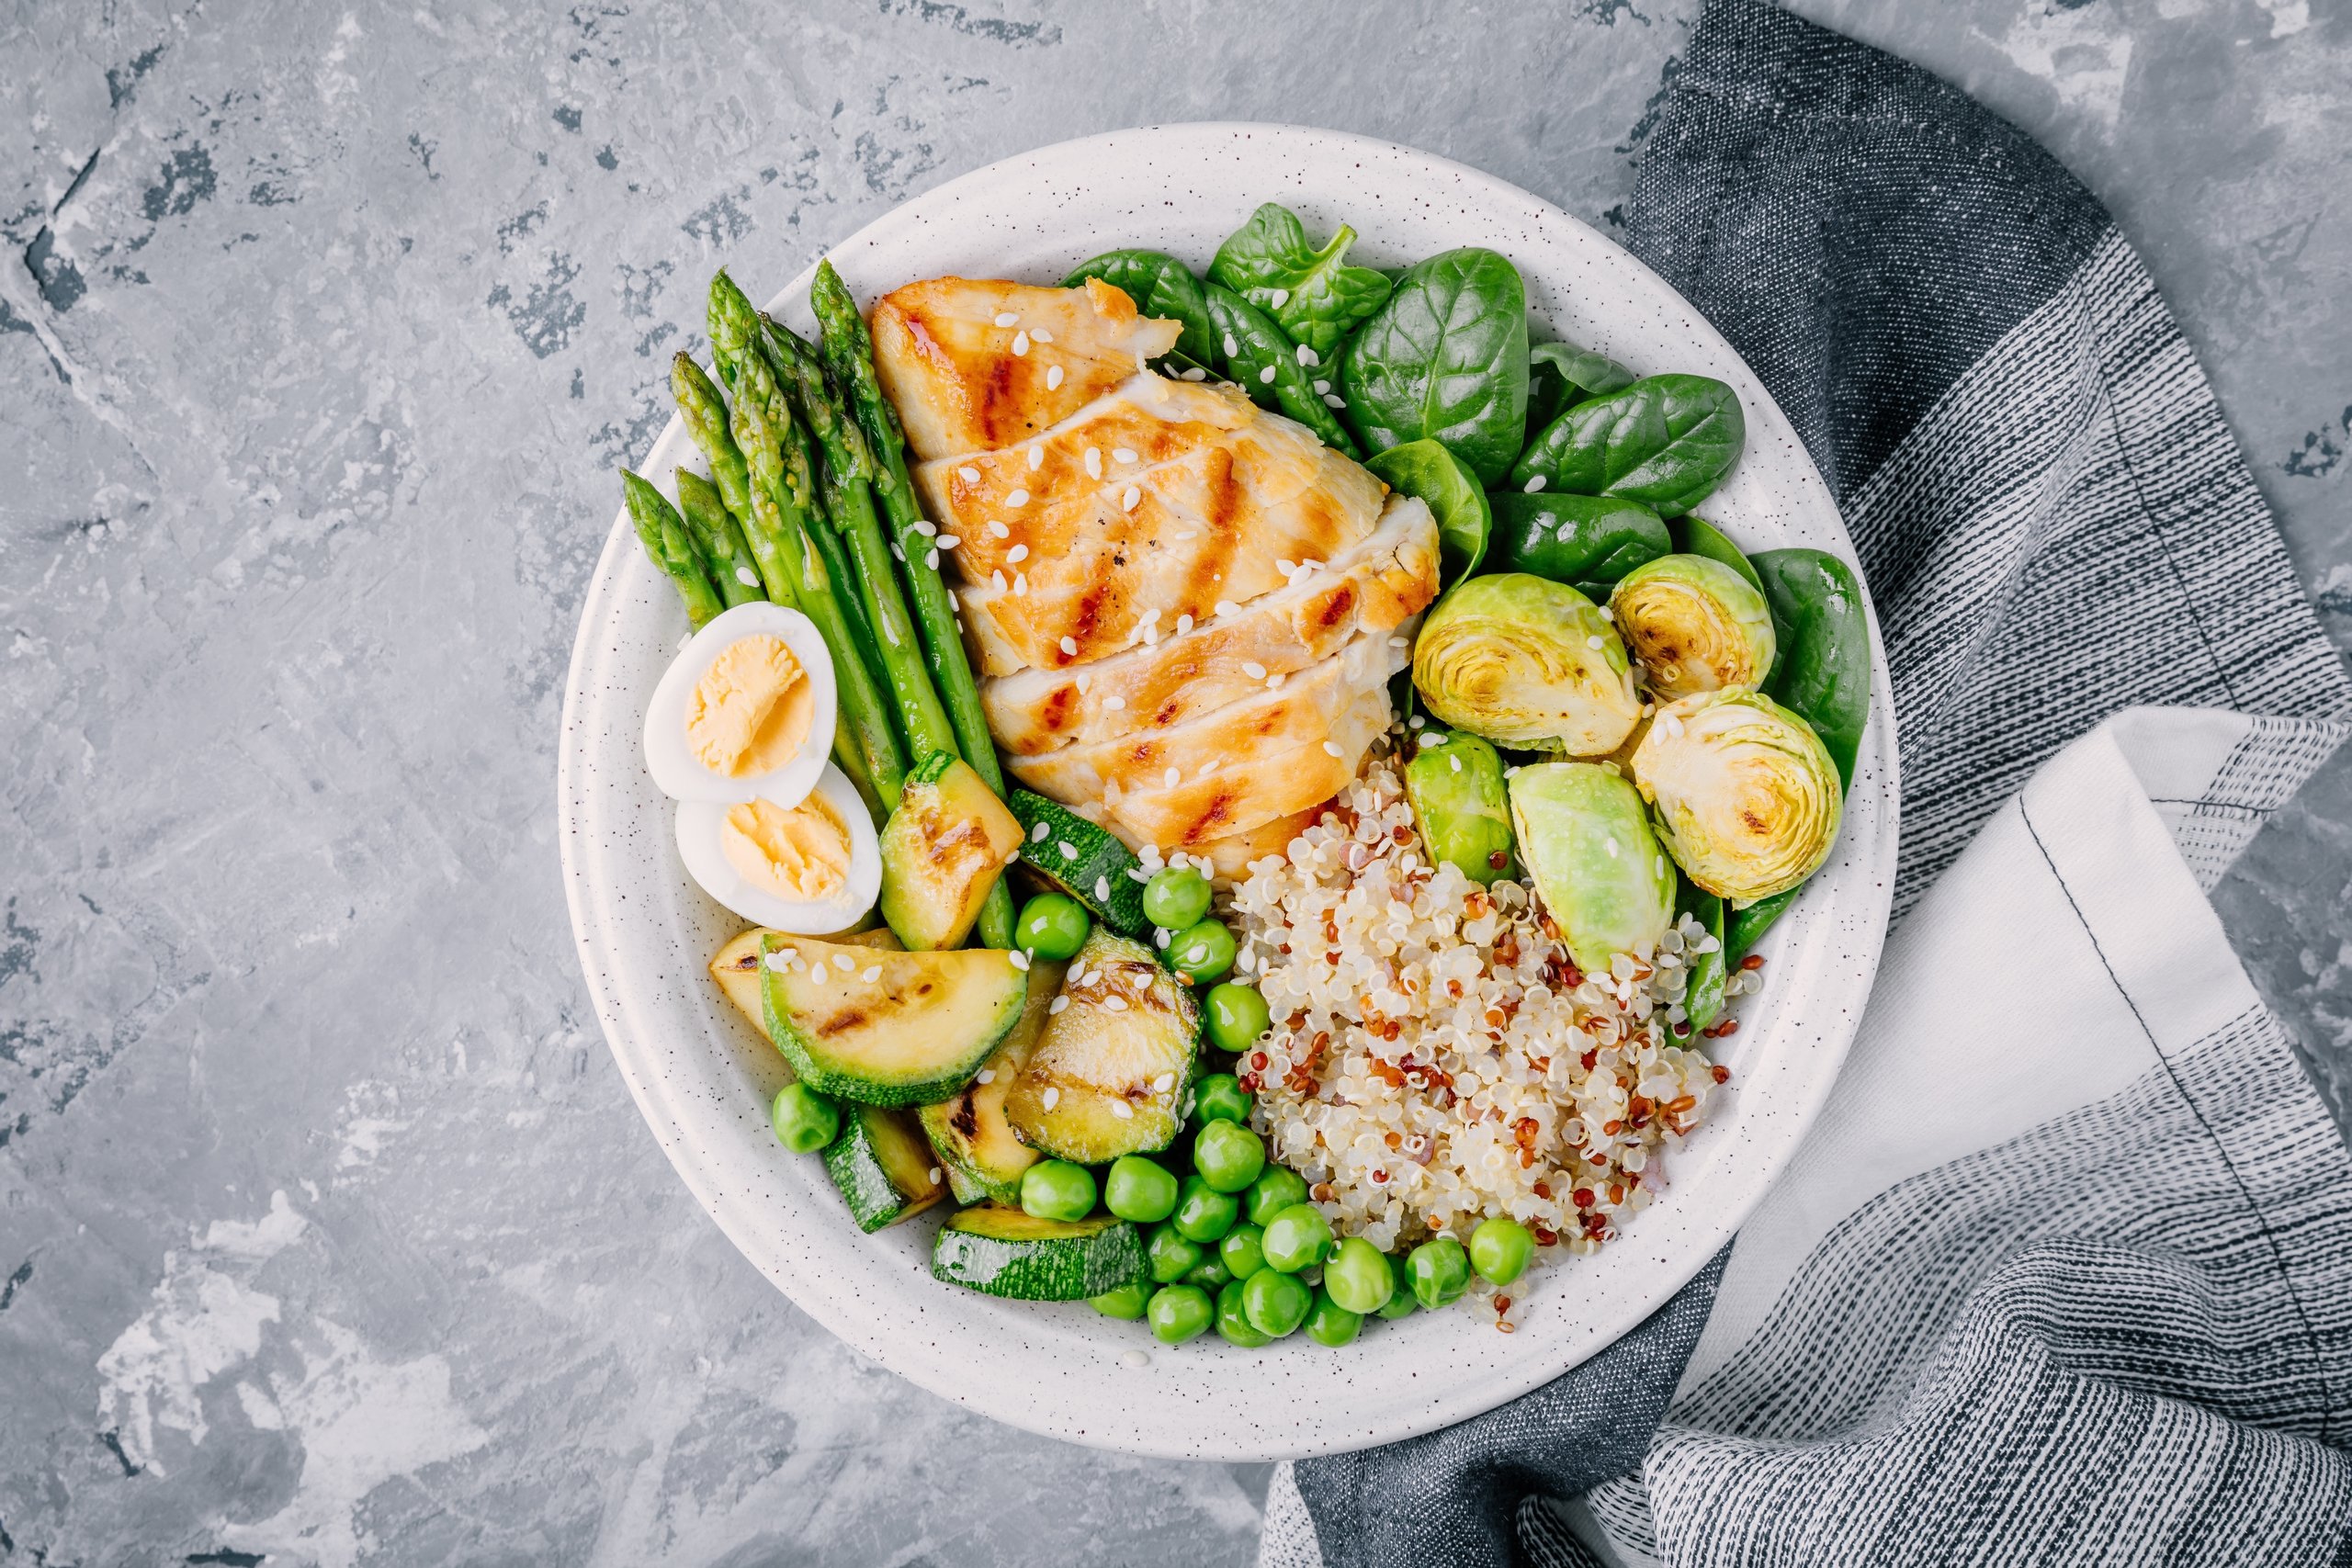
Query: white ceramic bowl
[[703, 1078]]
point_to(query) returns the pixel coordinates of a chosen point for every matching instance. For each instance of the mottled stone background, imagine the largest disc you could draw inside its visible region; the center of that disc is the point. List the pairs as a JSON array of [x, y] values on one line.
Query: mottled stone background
[[327, 1232]]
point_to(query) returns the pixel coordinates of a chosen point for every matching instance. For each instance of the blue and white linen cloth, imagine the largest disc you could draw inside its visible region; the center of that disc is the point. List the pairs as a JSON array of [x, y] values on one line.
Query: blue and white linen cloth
[[2063, 1272]]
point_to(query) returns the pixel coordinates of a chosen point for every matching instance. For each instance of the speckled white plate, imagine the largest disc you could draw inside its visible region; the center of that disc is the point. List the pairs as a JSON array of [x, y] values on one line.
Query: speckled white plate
[[703, 1078]]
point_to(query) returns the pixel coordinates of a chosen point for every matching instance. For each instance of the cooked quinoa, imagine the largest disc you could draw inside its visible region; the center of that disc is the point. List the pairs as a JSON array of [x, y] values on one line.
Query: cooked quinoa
[[1435, 1056]]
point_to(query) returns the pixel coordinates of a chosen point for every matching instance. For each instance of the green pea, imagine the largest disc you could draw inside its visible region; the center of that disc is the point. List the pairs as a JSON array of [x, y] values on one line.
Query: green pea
[[1202, 1213], [1274, 1191], [1240, 1251], [1500, 1250], [1276, 1303], [1127, 1301], [1209, 1275], [1329, 1323], [1170, 1256], [1056, 1190], [1439, 1270], [1298, 1238], [1175, 897], [805, 1120], [1233, 1322], [1359, 1277], [1140, 1189], [1202, 952], [1236, 1015], [1400, 1305], [1228, 1156], [1052, 925], [1221, 1097], [1178, 1312]]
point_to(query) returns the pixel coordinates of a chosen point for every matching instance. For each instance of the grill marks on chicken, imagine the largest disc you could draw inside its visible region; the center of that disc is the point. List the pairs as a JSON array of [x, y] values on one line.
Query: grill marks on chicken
[[1185, 609]]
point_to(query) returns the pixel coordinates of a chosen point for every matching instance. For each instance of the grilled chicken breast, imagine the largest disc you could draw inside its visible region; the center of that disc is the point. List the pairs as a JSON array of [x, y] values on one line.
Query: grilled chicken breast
[[1185, 609]]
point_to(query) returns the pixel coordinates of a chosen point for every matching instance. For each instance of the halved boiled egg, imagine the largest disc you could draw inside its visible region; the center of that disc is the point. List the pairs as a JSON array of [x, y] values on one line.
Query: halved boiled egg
[[811, 868], [745, 711]]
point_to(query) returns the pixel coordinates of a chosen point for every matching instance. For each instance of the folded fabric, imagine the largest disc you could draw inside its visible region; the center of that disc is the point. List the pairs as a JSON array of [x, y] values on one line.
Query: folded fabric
[[2056, 526]]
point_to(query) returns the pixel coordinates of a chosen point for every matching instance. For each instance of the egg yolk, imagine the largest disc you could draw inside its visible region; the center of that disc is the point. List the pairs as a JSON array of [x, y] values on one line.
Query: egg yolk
[[801, 852], [752, 708]]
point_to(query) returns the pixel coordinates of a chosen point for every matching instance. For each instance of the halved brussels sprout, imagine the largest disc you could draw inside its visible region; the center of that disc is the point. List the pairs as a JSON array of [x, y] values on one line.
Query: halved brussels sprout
[[1587, 845], [1747, 797], [1527, 663], [1696, 624], [1455, 783]]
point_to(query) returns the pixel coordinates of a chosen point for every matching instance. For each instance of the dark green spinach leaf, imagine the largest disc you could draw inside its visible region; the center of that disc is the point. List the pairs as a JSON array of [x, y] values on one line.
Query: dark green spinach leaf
[[1703, 999], [1445, 358], [1428, 471], [1161, 287], [1694, 536], [1666, 441], [1314, 295], [1265, 364], [1588, 541], [1560, 375]]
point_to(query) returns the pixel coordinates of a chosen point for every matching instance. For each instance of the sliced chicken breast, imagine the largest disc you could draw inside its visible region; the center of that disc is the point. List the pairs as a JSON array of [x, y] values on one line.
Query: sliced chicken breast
[[1375, 587], [973, 366]]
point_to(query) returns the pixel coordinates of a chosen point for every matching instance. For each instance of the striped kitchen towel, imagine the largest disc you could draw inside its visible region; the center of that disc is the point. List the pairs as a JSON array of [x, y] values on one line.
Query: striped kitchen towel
[[2064, 1273]]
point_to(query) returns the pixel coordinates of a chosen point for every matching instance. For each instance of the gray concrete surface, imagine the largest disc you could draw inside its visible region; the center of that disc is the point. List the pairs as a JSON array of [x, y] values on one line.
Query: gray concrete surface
[[327, 1233]]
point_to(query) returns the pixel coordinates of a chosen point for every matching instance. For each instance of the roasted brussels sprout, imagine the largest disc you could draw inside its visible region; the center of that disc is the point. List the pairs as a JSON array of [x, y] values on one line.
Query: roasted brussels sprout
[[1695, 625], [1455, 783], [1529, 663], [1587, 844], [1747, 797]]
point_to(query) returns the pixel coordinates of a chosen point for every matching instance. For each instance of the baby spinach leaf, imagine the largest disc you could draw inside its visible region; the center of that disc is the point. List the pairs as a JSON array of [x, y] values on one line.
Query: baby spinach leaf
[[1267, 366], [1702, 998], [1161, 287], [1587, 541], [1694, 536], [1315, 295], [1560, 375], [1445, 358], [1425, 470], [1822, 672], [1666, 441]]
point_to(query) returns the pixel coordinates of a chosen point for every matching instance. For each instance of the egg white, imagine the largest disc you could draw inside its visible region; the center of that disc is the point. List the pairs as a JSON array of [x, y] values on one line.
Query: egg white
[[672, 761], [698, 845]]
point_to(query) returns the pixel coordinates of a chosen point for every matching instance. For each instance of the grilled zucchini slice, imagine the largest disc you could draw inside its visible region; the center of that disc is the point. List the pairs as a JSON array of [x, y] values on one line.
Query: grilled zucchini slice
[[882, 1165], [1081, 859], [1111, 1069], [736, 968], [887, 1028], [983, 1156], [943, 849], [1003, 1251]]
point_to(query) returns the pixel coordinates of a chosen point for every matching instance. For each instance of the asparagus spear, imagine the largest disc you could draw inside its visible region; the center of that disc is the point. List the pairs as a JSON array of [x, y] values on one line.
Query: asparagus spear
[[705, 416], [777, 524], [849, 354], [720, 538], [849, 351], [849, 468], [664, 535]]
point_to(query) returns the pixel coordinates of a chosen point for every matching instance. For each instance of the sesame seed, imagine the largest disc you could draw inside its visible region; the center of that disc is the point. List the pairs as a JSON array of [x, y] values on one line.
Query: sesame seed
[[1267, 376], [1333, 748], [1020, 959], [1610, 843], [1128, 498], [898, 553], [1533, 484], [1103, 889], [1454, 759], [782, 958], [845, 963], [1171, 779], [1286, 567], [1114, 1004], [1163, 1083], [1084, 680], [1040, 833], [1053, 378], [1194, 374], [986, 1075], [1333, 399], [997, 577], [1037, 453], [1255, 671], [1018, 498], [1275, 682], [1007, 318], [925, 528], [871, 973], [1094, 462], [1123, 454], [948, 541], [1278, 298], [1042, 335], [1051, 1098], [931, 558], [1021, 582], [970, 476], [1307, 357], [1113, 703], [934, 1176], [1184, 624], [1228, 607], [998, 531], [1020, 344], [1161, 940], [1055, 1006], [1069, 647], [1321, 385], [1399, 642], [747, 577], [1596, 641], [1232, 348], [1017, 555]]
